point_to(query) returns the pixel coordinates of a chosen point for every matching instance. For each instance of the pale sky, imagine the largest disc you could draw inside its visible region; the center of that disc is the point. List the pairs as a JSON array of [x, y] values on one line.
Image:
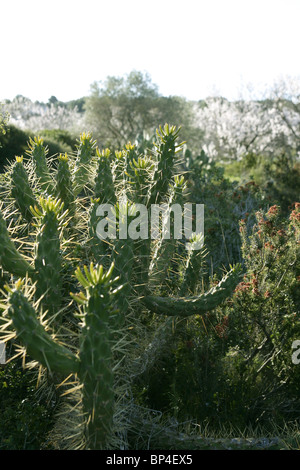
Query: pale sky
[[190, 48]]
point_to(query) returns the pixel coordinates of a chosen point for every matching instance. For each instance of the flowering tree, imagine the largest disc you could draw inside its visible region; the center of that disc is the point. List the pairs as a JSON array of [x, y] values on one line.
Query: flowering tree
[[233, 129], [36, 116], [120, 109]]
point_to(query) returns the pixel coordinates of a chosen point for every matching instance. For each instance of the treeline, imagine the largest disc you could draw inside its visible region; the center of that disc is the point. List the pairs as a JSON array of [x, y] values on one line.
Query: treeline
[[122, 109], [253, 139]]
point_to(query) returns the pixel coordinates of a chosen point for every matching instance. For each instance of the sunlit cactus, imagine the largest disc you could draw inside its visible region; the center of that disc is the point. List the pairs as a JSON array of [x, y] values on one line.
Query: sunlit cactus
[[83, 162], [63, 188], [38, 153], [93, 361], [11, 259], [21, 191], [48, 259], [59, 218], [95, 352]]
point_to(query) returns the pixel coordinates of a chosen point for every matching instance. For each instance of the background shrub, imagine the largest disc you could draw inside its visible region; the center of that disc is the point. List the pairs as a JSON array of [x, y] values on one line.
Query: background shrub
[[239, 370], [15, 143], [25, 416]]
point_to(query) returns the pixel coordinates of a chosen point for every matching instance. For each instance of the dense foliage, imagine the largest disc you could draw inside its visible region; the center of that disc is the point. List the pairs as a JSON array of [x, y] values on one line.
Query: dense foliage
[[240, 370]]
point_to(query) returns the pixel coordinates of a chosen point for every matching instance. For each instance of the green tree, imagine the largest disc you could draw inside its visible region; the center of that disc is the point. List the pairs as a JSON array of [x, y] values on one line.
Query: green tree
[[122, 108]]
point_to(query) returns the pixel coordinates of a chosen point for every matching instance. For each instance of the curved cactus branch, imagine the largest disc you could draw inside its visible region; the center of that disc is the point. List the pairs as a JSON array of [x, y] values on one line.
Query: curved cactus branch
[[203, 303], [10, 258], [39, 343]]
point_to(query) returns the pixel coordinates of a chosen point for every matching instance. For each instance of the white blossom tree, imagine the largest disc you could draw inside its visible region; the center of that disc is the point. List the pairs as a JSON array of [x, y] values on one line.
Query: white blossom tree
[[28, 115], [267, 126]]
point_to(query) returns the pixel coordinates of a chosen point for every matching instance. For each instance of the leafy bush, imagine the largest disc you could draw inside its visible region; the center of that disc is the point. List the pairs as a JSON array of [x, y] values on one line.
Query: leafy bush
[[25, 417], [59, 137], [15, 142], [240, 370], [225, 204], [277, 176], [4, 116]]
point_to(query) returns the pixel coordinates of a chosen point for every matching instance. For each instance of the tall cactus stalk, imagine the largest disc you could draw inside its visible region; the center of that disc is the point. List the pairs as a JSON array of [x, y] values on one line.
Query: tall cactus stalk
[[83, 162], [93, 362], [61, 202], [63, 189], [48, 256], [96, 362], [104, 188], [21, 191], [38, 152]]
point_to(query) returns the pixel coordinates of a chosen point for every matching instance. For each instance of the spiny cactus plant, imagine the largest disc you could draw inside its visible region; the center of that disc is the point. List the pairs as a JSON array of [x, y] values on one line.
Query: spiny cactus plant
[[50, 236], [93, 362]]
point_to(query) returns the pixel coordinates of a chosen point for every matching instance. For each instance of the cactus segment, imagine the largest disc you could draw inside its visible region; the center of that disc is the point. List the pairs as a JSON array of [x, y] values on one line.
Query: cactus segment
[[39, 343], [48, 257], [63, 189], [197, 305], [21, 191], [10, 258], [96, 371], [123, 253], [166, 247], [141, 169], [118, 170], [104, 188], [100, 248], [194, 266], [165, 152], [83, 161], [38, 152]]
